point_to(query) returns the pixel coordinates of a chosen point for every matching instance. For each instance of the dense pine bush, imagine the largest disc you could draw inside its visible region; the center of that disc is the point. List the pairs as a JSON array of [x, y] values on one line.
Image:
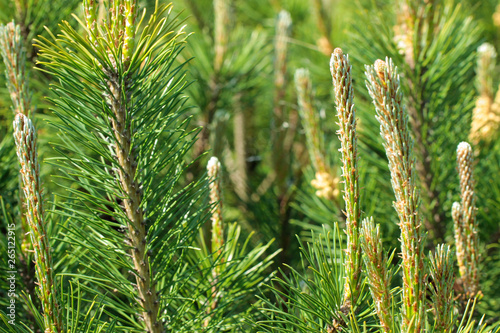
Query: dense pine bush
[[249, 166]]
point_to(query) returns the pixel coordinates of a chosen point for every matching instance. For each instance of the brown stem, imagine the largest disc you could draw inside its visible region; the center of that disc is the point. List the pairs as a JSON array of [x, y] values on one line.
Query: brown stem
[[280, 71], [240, 149], [148, 299]]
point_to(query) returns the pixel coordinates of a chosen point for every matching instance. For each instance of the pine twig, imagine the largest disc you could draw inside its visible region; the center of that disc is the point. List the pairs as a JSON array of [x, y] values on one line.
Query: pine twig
[[309, 118], [222, 20], [377, 273], [468, 222], [214, 175], [121, 27], [279, 135], [221, 32], [14, 57], [341, 70], [325, 181], [324, 26], [217, 234], [443, 279], [456, 214], [415, 31], [240, 177], [385, 89], [25, 137], [11, 49], [137, 233], [283, 25]]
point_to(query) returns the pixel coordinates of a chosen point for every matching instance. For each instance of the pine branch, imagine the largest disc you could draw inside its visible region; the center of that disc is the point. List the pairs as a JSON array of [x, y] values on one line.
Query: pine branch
[[214, 174], [11, 48], [324, 26], [133, 203], [121, 122], [341, 70], [240, 177], [310, 120], [120, 97], [217, 232], [25, 137], [14, 57], [423, 26], [278, 132], [325, 182], [469, 246], [283, 26], [456, 214], [384, 87], [221, 32]]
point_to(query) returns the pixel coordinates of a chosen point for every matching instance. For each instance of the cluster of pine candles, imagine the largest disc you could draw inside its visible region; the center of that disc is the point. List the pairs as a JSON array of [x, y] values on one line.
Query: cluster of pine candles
[[119, 98]]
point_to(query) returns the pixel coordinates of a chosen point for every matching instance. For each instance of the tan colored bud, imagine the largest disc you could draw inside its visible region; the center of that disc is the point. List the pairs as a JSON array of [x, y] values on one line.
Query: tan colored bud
[[380, 67], [496, 16], [326, 185], [324, 45]]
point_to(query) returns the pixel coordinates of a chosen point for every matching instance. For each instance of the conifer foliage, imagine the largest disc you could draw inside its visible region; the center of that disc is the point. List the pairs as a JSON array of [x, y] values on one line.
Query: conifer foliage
[[136, 205], [119, 96]]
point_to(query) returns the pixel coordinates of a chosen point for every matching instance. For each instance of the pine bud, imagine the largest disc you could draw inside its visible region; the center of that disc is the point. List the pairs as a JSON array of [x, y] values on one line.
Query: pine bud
[[380, 68], [486, 113], [486, 56]]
